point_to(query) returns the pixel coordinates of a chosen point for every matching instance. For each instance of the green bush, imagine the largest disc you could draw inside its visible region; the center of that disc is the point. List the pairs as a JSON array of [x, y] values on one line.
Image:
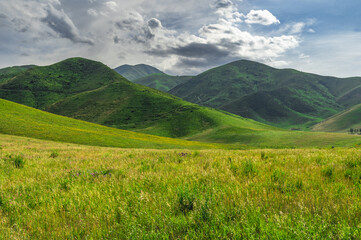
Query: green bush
[[186, 199], [54, 154]]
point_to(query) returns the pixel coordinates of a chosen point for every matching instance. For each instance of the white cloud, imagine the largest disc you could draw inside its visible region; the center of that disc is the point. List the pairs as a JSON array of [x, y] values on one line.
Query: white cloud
[[112, 5], [263, 17], [92, 12]]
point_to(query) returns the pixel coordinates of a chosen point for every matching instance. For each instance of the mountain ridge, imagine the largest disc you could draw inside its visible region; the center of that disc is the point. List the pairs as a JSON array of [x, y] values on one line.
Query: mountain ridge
[[133, 72]]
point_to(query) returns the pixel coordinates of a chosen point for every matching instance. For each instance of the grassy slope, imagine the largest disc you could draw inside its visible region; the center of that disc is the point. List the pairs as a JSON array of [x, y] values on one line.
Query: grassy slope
[[137, 71], [341, 122], [40, 87], [67, 191], [16, 119], [90, 91], [285, 98], [122, 104], [10, 72], [161, 81]]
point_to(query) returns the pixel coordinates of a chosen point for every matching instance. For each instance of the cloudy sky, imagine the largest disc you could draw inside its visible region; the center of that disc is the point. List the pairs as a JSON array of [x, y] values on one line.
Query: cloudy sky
[[185, 37]]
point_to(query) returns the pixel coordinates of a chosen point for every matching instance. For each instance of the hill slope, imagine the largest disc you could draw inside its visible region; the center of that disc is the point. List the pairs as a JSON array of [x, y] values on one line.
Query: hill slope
[[137, 71], [341, 122], [90, 91], [10, 72], [16, 119], [161, 81], [285, 98]]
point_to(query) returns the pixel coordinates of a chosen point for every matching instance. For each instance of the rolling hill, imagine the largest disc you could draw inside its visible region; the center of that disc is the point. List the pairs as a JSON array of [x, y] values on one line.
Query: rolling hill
[[341, 122], [90, 91], [20, 120], [10, 72], [162, 81], [137, 71], [281, 97]]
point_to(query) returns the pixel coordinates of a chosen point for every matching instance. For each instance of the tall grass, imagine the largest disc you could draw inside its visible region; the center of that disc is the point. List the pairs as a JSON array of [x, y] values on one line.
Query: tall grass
[[109, 193]]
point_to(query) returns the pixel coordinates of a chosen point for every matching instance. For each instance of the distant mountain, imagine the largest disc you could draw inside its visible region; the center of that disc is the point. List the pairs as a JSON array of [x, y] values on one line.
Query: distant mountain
[[10, 72], [281, 97], [137, 71], [341, 122], [162, 81]]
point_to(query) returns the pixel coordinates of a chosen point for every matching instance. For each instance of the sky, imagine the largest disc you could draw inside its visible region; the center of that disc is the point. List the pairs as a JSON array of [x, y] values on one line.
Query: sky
[[185, 37]]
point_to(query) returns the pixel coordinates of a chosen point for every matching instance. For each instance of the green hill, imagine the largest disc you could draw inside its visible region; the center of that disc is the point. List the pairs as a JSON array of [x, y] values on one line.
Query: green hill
[[90, 91], [10, 72], [137, 71], [341, 122], [16, 119], [282, 97], [162, 81]]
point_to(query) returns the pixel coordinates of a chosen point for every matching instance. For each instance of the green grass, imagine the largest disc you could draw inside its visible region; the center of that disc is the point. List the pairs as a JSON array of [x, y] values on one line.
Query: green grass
[[280, 97], [342, 122], [109, 193], [161, 81], [233, 132], [10, 72], [16, 119], [137, 71]]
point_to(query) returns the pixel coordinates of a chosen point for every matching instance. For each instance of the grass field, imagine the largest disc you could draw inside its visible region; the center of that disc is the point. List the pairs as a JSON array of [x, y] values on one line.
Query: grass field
[[53, 190], [16, 119]]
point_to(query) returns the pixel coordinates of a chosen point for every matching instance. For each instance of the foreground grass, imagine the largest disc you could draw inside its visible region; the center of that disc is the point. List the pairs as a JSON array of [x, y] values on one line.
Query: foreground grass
[[62, 191]]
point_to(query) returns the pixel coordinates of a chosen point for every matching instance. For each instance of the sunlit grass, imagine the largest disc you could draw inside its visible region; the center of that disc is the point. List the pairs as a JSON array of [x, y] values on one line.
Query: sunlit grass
[[66, 191]]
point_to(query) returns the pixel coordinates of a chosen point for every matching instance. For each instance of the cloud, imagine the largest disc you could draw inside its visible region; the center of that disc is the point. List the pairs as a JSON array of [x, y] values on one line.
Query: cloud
[[154, 23], [112, 5], [263, 17], [223, 4], [92, 12], [60, 23]]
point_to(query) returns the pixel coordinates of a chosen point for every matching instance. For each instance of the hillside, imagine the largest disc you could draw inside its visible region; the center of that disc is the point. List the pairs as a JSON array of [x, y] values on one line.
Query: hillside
[[16, 119], [161, 81], [40, 87], [282, 97], [10, 72], [341, 122], [90, 91], [137, 71]]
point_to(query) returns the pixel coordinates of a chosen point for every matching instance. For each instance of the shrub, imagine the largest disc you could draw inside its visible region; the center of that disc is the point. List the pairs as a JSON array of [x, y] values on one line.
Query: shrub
[[263, 156], [299, 184], [186, 200], [328, 172], [54, 154], [17, 160], [248, 168], [278, 176]]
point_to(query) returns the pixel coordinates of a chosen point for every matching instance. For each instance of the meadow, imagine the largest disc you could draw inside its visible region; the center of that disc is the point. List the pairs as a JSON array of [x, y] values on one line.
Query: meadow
[[51, 190]]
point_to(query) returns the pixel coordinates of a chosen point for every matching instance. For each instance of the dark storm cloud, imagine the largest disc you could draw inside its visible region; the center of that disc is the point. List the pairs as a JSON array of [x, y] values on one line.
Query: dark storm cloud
[[223, 3], [154, 23], [193, 55], [60, 23], [200, 50]]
